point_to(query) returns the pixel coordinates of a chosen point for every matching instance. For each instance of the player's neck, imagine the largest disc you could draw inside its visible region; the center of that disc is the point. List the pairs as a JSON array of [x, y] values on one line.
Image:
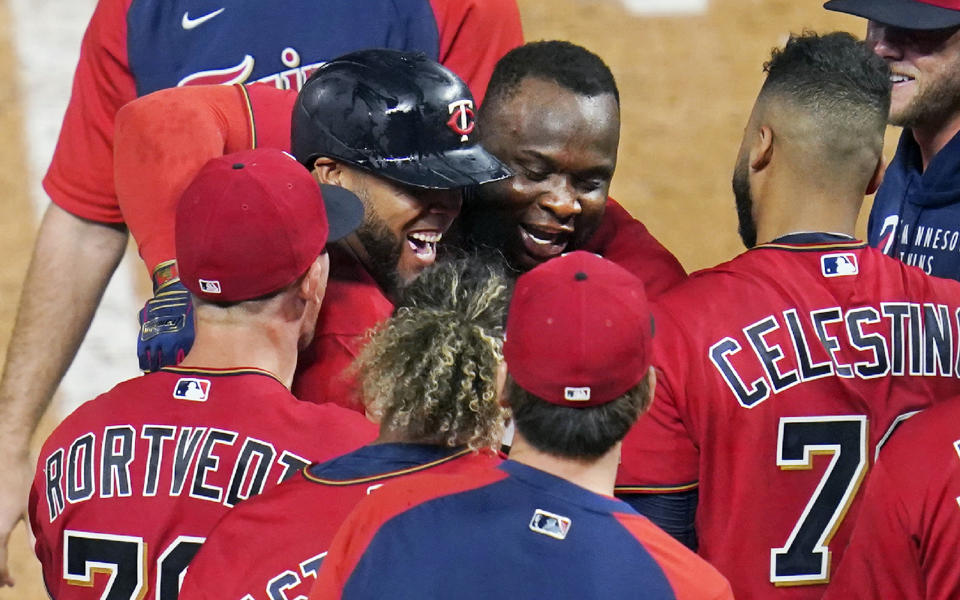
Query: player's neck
[[225, 346], [807, 210], [598, 475], [931, 140]]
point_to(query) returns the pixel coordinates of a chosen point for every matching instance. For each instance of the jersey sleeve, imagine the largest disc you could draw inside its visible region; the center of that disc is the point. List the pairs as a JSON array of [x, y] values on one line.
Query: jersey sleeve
[[162, 141], [882, 522], [627, 242], [659, 454], [474, 35], [80, 177], [691, 577]]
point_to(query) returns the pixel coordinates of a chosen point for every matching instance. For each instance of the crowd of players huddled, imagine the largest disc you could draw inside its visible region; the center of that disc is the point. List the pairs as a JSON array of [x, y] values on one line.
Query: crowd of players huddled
[[403, 344]]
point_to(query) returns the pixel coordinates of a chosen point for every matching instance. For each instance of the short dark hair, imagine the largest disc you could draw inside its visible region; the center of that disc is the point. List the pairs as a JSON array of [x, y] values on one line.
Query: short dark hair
[[430, 370], [577, 433], [836, 78], [571, 66]]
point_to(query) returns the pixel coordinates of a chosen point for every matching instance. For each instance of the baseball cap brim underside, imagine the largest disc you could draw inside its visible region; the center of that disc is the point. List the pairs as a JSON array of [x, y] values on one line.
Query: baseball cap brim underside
[[344, 211], [905, 14]]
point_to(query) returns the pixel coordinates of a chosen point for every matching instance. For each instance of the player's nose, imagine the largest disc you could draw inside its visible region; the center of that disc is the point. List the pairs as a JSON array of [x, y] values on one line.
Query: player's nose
[[561, 199]]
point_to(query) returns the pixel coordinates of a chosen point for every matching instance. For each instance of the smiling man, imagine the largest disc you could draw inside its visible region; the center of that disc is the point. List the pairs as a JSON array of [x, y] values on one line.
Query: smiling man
[[552, 114], [916, 213]]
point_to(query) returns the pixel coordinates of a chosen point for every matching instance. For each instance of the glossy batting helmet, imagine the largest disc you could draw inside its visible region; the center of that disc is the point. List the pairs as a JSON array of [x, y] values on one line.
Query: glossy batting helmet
[[397, 114]]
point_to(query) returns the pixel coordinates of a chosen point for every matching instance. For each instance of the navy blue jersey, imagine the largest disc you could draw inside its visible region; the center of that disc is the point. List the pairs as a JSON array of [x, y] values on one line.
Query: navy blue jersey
[[514, 531], [226, 41], [916, 213]]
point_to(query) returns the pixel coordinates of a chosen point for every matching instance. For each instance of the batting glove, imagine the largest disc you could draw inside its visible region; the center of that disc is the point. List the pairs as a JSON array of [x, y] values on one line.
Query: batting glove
[[166, 321]]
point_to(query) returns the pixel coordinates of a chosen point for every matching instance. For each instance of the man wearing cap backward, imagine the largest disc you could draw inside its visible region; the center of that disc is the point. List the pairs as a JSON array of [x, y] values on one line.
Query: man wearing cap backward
[[544, 524], [132, 481], [916, 212]]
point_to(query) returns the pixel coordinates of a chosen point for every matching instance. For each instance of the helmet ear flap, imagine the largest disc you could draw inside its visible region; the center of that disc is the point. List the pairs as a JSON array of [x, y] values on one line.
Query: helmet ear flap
[[398, 114]]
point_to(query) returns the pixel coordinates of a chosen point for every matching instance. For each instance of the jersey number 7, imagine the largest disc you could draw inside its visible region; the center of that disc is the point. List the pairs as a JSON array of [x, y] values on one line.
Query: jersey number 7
[[805, 558]]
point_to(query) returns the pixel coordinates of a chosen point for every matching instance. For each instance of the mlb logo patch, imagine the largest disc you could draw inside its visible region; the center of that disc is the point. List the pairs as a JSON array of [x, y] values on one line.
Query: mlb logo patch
[[190, 388], [838, 265], [209, 286], [548, 523], [576, 394]]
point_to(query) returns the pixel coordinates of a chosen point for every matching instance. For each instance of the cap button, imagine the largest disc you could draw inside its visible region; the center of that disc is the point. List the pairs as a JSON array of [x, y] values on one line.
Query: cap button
[[580, 276], [237, 165]]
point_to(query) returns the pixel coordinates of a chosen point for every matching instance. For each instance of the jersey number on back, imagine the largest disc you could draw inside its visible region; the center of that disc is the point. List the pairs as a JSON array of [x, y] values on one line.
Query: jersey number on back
[[805, 558], [124, 558]]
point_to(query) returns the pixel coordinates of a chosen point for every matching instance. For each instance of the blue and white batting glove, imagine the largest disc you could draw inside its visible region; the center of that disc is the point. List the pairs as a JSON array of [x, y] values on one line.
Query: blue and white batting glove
[[166, 321]]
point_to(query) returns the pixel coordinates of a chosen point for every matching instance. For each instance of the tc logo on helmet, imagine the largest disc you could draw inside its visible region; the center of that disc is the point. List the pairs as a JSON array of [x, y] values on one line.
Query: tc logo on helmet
[[461, 118]]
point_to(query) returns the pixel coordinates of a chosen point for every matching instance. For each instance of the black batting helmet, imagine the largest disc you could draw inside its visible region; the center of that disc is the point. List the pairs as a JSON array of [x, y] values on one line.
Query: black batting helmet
[[397, 114]]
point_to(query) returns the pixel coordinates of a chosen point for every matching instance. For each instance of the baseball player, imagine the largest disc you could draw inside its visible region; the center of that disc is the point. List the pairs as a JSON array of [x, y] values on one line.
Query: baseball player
[[552, 114], [211, 119], [544, 524], [129, 484], [916, 213], [134, 47], [904, 540], [397, 128], [438, 412], [775, 394]]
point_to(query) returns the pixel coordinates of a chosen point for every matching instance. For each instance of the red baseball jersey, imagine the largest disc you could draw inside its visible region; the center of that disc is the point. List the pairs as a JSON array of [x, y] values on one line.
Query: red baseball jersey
[[779, 373], [129, 485], [284, 564], [510, 532], [135, 47], [906, 539]]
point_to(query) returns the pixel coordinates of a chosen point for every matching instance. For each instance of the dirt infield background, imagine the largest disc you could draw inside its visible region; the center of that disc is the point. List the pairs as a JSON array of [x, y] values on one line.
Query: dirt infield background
[[687, 84]]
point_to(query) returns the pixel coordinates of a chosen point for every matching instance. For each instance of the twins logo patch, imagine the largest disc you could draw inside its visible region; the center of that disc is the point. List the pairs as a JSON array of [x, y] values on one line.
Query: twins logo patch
[[461, 118], [209, 286], [838, 265], [190, 388], [547, 523]]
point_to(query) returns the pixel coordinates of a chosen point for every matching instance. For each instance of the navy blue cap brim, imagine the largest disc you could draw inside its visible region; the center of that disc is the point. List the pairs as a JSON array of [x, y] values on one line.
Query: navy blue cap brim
[[906, 14], [344, 211]]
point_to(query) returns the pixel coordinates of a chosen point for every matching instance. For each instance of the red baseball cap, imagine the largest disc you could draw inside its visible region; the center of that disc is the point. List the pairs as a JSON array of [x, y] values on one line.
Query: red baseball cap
[[252, 222], [905, 14], [578, 331]]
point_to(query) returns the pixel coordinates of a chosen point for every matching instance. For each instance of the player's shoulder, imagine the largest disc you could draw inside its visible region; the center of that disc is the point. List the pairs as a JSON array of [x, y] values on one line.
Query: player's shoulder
[[936, 426], [689, 575], [416, 491]]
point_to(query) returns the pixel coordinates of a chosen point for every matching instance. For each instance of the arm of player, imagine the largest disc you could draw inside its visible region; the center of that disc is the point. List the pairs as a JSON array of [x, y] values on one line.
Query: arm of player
[[474, 35], [80, 177], [673, 513], [72, 262], [162, 140], [627, 242]]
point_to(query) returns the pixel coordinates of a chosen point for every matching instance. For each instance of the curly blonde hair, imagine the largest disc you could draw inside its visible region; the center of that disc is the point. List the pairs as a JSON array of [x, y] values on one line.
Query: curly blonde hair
[[430, 370]]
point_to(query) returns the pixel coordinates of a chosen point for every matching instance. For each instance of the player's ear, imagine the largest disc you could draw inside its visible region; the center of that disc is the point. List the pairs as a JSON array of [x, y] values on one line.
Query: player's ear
[[651, 378], [326, 170], [313, 285], [504, 388], [877, 177], [761, 152]]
